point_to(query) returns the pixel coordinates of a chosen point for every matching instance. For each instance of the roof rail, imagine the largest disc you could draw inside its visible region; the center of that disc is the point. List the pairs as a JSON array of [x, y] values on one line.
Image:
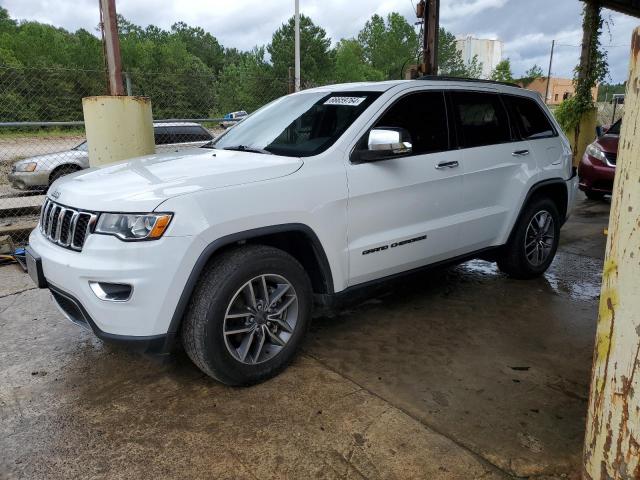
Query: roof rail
[[464, 79]]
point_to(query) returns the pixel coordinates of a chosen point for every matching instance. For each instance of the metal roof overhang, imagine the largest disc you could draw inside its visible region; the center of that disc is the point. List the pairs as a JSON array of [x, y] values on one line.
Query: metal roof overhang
[[630, 7]]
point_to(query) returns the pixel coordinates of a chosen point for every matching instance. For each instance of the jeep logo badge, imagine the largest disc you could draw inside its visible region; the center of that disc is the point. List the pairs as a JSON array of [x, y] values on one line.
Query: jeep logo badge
[[56, 194]]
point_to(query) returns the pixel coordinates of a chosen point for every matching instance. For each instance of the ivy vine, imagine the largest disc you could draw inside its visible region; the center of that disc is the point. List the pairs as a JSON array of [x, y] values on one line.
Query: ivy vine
[[586, 76]]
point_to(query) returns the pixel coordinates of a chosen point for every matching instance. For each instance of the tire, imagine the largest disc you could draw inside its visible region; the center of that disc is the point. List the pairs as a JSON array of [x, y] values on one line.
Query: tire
[[61, 172], [522, 259], [221, 303], [591, 195]]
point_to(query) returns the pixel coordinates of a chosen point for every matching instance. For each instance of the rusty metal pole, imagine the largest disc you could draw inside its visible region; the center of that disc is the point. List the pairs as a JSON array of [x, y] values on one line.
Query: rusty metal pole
[[111, 43], [430, 38], [612, 442]]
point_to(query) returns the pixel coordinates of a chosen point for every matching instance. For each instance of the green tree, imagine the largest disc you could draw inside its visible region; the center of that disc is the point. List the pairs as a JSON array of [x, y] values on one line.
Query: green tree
[[502, 72], [316, 61], [388, 46], [607, 90], [201, 44], [450, 61], [246, 84], [351, 65], [531, 74]]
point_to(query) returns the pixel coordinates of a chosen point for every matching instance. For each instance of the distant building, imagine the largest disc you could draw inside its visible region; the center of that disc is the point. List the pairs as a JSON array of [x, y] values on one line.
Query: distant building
[[559, 89], [489, 52]]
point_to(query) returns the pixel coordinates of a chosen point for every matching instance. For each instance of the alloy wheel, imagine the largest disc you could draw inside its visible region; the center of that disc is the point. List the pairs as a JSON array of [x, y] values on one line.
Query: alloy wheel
[[260, 319], [539, 238]]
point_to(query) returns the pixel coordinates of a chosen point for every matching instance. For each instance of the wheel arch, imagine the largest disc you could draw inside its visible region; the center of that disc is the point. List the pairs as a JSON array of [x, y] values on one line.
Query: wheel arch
[[297, 239], [75, 166], [553, 188]]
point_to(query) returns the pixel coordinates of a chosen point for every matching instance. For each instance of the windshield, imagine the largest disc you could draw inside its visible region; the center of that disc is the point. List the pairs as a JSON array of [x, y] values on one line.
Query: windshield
[[298, 125], [615, 128], [82, 147]]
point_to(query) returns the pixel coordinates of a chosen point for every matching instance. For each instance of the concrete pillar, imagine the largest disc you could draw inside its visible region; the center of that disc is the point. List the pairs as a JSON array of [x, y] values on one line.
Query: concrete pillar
[[117, 128], [583, 134], [612, 442]]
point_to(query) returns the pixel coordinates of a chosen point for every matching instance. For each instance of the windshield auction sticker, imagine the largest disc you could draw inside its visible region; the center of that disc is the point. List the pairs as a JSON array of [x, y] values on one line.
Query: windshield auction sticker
[[345, 101]]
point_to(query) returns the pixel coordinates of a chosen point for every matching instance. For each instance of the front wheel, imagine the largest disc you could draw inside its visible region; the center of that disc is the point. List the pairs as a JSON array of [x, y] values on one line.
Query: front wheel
[[533, 242], [248, 315], [591, 195]]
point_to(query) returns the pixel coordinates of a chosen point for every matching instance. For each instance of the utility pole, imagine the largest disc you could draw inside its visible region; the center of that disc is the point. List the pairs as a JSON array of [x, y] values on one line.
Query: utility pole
[[429, 12], [546, 95], [297, 46], [111, 45]]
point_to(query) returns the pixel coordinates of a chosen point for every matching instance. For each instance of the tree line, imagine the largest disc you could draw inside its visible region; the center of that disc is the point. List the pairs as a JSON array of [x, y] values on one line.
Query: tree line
[[46, 70]]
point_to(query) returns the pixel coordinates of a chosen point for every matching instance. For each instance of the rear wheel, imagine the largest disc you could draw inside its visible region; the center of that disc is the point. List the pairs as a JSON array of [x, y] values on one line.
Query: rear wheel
[[534, 241], [248, 315]]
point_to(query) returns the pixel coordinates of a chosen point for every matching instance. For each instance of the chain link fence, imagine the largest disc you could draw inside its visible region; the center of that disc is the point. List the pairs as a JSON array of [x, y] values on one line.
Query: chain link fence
[[609, 112], [42, 131]]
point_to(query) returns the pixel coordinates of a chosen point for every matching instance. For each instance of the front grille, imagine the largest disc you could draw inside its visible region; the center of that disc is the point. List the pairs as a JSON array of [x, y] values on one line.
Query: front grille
[[66, 226], [612, 158]]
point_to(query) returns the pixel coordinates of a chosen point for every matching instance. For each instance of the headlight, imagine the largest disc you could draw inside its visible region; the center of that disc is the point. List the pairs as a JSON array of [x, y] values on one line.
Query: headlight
[[26, 167], [594, 151], [126, 226]]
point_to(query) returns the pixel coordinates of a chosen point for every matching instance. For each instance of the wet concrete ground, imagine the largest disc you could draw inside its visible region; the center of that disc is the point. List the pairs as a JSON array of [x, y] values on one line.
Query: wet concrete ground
[[460, 373]]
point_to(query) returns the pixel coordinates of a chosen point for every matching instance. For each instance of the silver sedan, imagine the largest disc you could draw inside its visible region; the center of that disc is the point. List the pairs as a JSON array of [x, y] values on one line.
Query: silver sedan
[[41, 171]]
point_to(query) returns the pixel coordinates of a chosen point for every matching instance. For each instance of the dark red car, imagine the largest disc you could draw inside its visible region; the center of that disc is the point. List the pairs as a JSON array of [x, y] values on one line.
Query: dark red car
[[598, 165]]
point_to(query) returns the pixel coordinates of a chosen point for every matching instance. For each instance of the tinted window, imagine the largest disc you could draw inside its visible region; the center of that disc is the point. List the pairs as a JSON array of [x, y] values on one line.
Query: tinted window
[[531, 119], [424, 116], [481, 119], [163, 135], [190, 134]]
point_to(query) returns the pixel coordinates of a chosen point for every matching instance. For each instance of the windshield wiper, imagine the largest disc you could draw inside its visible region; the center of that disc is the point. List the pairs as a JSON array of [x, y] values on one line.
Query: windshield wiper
[[244, 148]]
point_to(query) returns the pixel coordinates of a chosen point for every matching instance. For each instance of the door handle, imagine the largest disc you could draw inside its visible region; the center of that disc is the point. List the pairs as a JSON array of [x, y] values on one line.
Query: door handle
[[520, 153], [443, 165]]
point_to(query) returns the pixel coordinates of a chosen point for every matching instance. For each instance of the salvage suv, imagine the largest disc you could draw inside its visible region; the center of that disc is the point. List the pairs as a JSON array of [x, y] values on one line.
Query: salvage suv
[[312, 196]]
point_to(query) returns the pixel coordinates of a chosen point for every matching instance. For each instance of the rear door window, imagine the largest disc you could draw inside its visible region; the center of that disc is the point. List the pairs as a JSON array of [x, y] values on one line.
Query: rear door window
[[424, 116], [481, 119], [532, 121], [163, 135]]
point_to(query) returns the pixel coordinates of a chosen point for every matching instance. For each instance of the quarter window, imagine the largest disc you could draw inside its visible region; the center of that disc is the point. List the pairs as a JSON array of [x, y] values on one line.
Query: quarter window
[[481, 119], [424, 116], [532, 120]]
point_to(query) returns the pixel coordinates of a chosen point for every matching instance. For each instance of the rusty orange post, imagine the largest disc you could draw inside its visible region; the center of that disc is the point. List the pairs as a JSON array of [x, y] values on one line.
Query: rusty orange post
[[612, 443]]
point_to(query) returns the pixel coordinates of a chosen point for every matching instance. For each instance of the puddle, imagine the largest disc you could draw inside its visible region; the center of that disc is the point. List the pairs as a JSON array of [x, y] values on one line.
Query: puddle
[[577, 276]]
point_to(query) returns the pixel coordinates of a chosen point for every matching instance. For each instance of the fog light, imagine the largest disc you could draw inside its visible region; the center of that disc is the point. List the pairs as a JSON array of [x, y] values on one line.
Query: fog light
[[113, 292]]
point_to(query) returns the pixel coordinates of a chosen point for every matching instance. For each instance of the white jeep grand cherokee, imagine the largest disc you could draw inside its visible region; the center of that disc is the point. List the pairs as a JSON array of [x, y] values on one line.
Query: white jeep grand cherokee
[[315, 194]]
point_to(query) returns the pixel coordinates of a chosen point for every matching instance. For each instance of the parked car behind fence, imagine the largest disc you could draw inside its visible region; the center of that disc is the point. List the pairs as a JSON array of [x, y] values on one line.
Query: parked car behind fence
[[41, 171]]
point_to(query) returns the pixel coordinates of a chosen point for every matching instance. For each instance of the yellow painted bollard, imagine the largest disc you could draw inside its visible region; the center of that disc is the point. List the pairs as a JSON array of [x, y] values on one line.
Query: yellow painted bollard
[[612, 442], [117, 128]]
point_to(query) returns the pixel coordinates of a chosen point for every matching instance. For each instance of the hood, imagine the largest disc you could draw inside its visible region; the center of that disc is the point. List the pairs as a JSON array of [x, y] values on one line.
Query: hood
[[141, 184], [609, 143], [49, 157]]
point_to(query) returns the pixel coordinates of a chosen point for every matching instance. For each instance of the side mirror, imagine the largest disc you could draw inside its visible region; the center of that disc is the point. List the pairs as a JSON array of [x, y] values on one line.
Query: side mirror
[[599, 131], [384, 143]]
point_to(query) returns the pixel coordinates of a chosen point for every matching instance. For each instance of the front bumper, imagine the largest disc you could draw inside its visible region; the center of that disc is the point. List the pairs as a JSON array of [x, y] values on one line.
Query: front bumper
[[595, 177], [157, 271], [24, 180]]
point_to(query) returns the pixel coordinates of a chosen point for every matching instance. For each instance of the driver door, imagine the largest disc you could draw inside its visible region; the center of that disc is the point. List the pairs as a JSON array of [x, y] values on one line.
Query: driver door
[[405, 211]]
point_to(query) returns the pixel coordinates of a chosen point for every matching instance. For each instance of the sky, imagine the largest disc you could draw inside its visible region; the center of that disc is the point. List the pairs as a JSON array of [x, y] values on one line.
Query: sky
[[526, 27]]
